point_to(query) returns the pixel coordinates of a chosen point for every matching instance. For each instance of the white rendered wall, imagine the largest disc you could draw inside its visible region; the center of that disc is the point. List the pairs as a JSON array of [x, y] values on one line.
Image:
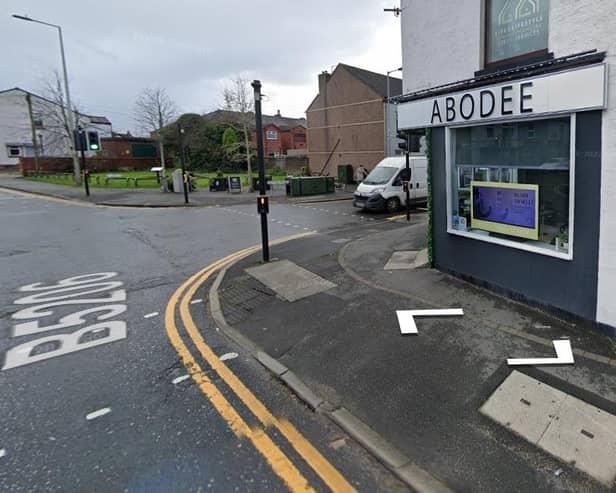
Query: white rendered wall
[[578, 25], [14, 124], [441, 42]]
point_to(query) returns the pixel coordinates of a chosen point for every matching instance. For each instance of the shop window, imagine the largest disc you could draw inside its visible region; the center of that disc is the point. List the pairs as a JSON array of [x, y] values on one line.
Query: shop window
[[271, 135], [515, 30], [510, 184]]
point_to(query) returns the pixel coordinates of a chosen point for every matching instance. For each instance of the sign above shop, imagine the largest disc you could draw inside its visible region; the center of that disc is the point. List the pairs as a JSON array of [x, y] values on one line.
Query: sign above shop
[[564, 92]]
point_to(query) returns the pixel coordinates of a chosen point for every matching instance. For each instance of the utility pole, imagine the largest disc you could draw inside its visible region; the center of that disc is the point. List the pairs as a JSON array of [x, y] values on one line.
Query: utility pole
[[262, 199], [37, 168], [182, 159]]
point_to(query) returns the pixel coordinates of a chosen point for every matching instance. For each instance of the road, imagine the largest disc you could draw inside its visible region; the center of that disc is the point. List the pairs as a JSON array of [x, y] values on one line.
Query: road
[[104, 386]]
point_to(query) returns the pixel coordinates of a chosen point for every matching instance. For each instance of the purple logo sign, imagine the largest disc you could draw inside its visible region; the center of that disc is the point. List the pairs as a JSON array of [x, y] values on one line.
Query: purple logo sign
[[513, 206]]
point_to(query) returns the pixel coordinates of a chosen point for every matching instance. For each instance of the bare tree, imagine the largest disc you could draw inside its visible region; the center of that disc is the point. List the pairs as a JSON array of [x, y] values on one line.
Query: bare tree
[[153, 110], [54, 113], [238, 97]]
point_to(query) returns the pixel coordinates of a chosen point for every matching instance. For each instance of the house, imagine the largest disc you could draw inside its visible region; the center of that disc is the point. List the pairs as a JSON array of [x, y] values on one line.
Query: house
[[28, 120], [346, 120], [280, 133], [523, 157]]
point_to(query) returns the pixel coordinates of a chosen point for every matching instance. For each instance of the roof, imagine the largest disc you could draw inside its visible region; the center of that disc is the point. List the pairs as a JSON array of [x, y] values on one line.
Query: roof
[[101, 120], [377, 82], [282, 122]]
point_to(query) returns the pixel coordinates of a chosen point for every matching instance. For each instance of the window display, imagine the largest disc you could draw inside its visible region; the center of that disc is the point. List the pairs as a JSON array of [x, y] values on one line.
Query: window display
[[511, 181]]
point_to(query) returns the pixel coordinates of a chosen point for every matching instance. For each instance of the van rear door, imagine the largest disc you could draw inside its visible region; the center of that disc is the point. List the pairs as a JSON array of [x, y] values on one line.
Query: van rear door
[[420, 179]]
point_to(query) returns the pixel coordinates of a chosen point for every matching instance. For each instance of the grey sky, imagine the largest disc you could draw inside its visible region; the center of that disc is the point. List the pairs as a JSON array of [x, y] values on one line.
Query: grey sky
[[191, 48]]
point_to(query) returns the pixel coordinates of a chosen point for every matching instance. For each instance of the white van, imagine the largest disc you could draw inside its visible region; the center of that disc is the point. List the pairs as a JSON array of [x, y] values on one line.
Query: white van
[[382, 188]]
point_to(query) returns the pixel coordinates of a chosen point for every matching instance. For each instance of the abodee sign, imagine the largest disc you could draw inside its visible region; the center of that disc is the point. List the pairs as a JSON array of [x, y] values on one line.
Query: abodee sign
[[575, 90]]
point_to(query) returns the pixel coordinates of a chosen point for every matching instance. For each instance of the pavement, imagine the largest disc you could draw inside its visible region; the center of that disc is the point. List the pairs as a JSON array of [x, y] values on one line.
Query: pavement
[[154, 197], [442, 409]]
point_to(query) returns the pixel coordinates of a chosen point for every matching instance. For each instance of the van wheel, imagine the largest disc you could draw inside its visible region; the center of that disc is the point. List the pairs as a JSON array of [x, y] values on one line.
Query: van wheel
[[392, 204]]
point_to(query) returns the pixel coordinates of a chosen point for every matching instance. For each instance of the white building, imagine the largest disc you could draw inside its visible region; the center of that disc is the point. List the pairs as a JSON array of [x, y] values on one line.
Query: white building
[[522, 114], [22, 122]]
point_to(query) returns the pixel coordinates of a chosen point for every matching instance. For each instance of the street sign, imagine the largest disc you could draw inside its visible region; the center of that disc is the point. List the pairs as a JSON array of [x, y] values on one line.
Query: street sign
[[235, 184]]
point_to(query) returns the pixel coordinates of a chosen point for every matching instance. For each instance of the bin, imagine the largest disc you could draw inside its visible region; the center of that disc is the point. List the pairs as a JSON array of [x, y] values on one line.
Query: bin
[[178, 182], [345, 174]]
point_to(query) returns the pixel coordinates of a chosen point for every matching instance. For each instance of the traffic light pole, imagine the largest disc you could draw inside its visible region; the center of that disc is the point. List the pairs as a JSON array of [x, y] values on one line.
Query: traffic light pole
[[408, 177], [184, 178], [262, 199], [84, 169]]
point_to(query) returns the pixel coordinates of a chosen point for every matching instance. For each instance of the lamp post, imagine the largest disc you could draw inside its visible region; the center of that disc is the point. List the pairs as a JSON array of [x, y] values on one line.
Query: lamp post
[[387, 129], [71, 123]]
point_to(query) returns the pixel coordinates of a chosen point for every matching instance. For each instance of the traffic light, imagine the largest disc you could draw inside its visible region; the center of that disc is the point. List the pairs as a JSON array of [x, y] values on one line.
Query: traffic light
[[79, 138], [94, 143], [405, 138], [263, 204]]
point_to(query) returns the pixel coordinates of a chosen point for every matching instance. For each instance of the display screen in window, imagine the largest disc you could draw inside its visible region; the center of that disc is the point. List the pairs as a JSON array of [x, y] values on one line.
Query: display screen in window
[[516, 27], [531, 156]]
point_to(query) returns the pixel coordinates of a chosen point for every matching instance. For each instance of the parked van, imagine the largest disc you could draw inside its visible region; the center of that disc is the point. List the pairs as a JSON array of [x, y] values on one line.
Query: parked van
[[382, 188]]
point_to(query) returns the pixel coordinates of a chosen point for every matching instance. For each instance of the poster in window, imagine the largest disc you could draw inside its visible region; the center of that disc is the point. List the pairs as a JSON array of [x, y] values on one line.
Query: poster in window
[[516, 27], [506, 208]]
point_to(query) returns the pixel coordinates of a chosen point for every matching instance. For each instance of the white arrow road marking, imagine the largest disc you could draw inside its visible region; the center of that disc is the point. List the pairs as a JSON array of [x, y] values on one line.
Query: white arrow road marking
[[564, 356], [98, 414], [406, 318], [227, 356], [2, 452]]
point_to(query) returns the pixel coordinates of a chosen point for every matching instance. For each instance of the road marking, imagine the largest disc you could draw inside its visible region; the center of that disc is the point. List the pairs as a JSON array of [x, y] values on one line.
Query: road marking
[[317, 462], [194, 302], [150, 315], [564, 356], [98, 414], [2, 452], [177, 380], [406, 318], [228, 356]]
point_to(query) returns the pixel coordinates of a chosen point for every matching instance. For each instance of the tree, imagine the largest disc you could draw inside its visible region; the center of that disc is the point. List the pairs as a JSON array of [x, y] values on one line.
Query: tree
[[55, 114], [153, 110], [238, 98]]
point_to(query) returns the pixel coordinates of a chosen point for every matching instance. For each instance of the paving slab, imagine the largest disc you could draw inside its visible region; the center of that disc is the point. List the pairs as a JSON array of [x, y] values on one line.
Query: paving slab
[[289, 280], [566, 427]]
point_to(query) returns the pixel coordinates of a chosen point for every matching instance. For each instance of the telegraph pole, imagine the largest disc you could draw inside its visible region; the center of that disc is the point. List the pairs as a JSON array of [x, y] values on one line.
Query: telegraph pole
[[262, 199]]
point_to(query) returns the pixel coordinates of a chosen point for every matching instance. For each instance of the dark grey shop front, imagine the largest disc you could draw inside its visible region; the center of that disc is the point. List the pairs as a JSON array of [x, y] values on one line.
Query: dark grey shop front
[[569, 285], [516, 190]]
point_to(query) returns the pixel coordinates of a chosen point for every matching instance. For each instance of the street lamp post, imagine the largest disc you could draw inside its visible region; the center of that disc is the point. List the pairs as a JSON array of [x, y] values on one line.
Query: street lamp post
[[71, 122], [387, 129]]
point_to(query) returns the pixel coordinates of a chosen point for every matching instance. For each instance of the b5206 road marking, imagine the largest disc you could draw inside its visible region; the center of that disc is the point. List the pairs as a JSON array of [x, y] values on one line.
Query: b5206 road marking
[[42, 299]]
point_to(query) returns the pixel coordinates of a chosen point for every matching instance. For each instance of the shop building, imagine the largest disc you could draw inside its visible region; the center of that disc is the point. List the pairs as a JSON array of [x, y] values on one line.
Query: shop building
[[522, 116]]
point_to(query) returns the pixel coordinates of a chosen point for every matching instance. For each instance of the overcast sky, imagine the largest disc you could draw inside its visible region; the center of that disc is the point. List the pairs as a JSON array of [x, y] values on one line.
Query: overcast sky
[[192, 47]]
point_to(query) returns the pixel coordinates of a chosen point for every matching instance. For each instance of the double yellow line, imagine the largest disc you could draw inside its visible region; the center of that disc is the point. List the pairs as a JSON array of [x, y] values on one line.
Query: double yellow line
[[282, 466]]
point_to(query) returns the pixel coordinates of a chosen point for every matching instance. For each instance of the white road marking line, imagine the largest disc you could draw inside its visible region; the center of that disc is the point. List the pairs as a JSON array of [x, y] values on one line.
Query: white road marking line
[[564, 356], [306, 229], [2, 452], [194, 302], [177, 380], [287, 224], [150, 315], [295, 226], [406, 318], [98, 414], [228, 356]]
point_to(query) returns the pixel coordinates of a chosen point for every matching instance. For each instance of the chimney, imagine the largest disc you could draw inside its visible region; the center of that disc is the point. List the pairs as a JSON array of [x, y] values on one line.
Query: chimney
[[278, 113], [323, 79]]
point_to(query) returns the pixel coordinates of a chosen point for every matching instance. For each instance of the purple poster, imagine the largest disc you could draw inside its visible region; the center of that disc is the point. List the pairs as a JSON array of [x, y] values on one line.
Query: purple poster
[[512, 206]]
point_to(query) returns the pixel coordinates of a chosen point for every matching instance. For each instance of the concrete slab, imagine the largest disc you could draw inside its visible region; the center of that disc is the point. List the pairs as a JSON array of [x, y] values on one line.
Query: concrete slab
[[289, 280], [404, 259], [566, 427], [524, 405], [585, 436]]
